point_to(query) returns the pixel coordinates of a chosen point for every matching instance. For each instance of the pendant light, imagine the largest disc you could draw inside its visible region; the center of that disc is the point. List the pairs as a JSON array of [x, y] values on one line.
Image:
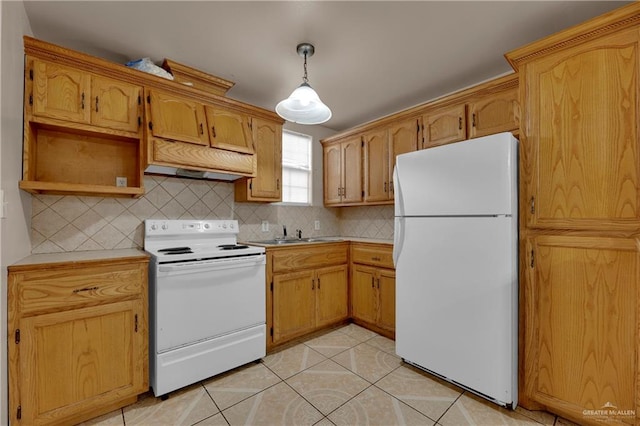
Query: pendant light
[[304, 106]]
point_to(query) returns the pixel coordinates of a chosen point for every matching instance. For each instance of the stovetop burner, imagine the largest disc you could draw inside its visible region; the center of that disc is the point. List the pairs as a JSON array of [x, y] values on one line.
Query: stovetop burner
[[232, 247], [176, 250]]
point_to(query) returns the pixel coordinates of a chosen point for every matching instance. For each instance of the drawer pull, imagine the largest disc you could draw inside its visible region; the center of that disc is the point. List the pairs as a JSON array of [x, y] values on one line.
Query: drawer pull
[[376, 258], [78, 290]]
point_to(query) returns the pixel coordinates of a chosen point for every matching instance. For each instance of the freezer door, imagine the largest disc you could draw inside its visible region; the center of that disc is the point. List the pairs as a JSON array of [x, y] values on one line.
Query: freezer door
[[474, 177], [457, 299]]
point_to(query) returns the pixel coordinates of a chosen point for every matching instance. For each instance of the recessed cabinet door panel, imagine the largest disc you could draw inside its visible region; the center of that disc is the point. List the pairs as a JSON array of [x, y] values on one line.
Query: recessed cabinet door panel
[[363, 293], [496, 113], [332, 174], [178, 119], [73, 359], [583, 138], [268, 182], [115, 104], [352, 170], [387, 299], [445, 126], [295, 289], [331, 295], [376, 166], [403, 138], [582, 329], [61, 92], [229, 130]]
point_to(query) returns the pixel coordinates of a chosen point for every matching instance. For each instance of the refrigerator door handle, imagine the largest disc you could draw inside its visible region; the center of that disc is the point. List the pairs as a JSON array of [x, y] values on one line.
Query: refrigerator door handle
[[398, 239]]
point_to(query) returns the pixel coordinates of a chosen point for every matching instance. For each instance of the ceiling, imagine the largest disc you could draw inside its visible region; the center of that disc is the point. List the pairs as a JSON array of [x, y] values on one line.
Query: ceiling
[[372, 58]]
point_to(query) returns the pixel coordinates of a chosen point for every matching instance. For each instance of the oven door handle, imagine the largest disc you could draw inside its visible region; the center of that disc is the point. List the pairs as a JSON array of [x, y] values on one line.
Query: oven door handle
[[213, 264]]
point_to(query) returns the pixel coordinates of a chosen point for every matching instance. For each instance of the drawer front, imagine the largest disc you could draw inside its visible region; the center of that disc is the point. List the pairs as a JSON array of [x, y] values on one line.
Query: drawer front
[[376, 256], [310, 257], [39, 291]]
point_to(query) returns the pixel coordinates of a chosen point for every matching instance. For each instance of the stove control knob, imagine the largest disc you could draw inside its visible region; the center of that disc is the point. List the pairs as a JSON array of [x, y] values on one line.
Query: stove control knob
[[231, 225], [154, 226], [206, 226], [164, 226], [224, 226]]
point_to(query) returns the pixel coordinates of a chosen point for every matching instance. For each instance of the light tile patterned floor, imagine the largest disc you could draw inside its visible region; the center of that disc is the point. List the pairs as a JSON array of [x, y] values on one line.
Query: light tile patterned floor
[[346, 376]]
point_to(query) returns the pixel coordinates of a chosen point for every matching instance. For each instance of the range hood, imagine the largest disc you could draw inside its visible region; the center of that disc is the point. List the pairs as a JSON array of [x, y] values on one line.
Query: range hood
[[188, 173]]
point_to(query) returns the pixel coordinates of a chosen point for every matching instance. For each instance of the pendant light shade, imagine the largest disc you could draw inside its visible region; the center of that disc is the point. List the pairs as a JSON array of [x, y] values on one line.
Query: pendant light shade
[[304, 106]]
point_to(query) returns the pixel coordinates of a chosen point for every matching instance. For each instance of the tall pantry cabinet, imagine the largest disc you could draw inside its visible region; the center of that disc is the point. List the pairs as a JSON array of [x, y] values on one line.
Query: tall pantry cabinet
[[580, 220]]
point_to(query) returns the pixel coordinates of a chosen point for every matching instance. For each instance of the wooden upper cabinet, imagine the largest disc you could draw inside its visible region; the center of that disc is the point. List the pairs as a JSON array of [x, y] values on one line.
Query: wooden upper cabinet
[[442, 126], [403, 137], [177, 118], [496, 113], [267, 185], [376, 165], [60, 92], [582, 151], [343, 172], [332, 173], [229, 130], [115, 104]]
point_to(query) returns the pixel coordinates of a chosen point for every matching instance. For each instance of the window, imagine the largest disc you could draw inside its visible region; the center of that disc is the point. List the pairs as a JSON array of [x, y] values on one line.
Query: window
[[296, 168]]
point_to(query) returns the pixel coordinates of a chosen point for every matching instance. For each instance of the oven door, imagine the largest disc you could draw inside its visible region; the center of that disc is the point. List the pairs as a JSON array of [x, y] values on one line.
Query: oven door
[[200, 300]]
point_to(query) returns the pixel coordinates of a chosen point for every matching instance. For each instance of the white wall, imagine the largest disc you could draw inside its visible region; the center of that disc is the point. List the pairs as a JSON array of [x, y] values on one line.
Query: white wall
[[15, 226]]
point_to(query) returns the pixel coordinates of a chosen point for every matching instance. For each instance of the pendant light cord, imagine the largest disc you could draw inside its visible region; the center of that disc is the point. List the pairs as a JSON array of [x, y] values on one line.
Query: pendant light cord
[[305, 79]]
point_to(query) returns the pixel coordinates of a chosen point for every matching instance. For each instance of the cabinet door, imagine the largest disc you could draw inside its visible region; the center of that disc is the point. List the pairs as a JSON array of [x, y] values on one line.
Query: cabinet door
[[61, 92], [498, 112], [229, 130], [74, 360], [293, 305], [115, 105], [403, 138], [331, 295], [582, 153], [267, 183], [364, 294], [177, 118], [352, 170], [387, 299], [581, 323], [376, 166], [443, 126], [332, 173]]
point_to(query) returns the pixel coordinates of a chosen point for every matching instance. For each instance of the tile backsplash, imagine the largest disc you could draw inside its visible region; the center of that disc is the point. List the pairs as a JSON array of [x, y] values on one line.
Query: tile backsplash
[[73, 223]]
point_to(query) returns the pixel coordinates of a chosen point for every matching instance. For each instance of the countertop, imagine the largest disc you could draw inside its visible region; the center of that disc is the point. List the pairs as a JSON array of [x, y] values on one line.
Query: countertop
[[78, 257], [337, 239]]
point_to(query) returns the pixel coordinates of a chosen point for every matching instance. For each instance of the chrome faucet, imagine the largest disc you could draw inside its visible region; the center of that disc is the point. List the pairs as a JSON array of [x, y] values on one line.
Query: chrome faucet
[[284, 231]]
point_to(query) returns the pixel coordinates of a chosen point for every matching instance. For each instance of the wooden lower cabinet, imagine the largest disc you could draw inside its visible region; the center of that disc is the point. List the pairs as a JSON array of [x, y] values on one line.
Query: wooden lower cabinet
[[307, 289], [78, 345], [581, 322], [373, 288]]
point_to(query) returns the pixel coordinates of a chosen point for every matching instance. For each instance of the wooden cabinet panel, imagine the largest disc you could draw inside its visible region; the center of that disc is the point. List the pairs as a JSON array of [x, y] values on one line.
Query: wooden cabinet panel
[[268, 181], [496, 113], [363, 293], [332, 155], [229, 130], [374, 255], [581, 325], [376, 166], [387, 299], [403, 138], [61, 92], [115, 104], [92, 355], [331, 295], [177, 118], [293, 305], [583, 140], [309, 257], [444, 126], [352, 171]]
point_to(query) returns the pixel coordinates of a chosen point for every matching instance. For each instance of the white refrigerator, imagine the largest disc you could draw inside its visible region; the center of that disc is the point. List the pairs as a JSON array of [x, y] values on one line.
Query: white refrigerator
[[456, 257]]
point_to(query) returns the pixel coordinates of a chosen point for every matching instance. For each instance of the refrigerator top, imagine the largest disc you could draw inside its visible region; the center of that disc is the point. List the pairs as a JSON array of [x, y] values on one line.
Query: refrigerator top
[[477, 177]]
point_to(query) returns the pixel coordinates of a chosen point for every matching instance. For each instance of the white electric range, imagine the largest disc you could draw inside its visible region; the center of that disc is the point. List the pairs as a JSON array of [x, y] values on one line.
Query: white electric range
[[206, 301]]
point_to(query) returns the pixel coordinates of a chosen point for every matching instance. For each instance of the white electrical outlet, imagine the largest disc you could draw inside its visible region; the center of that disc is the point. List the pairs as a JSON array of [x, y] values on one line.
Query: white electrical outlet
[[121, 181], [316, 225], [265, 226]]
